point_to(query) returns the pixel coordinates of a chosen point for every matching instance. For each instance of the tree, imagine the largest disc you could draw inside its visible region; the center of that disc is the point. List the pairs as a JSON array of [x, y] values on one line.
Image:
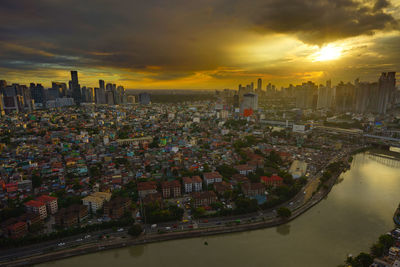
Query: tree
[[198, 212], [275, 157], [377, 250], [284, 213], [226, 171], [386, 240], [36, 181], [135, 230], [362, 260]]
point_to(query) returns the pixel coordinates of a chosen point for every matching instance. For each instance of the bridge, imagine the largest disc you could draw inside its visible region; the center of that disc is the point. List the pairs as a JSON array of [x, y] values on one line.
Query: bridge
[[386, 160]]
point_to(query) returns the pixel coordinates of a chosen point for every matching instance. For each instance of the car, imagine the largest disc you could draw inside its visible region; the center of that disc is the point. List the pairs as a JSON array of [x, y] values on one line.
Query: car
[[175, 225], [218, 223], [120, 230], [79, 240], [185, 221], [168, 228], [205, 221], [291, 203], [61, 244], [190, 226], [87, 236]]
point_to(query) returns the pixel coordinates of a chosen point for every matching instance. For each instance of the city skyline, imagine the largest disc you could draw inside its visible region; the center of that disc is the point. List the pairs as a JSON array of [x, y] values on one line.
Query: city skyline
[[212, 45]]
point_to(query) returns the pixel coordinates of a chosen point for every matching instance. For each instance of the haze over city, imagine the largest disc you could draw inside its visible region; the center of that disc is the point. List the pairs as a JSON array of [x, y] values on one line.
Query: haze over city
[[198, 45]]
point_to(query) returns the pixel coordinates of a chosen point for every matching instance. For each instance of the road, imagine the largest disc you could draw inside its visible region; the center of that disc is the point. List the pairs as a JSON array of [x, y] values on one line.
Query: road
[[305, 196]]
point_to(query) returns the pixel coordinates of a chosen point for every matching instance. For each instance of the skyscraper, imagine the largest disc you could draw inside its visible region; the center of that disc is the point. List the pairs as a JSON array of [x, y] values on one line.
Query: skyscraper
[[344, 98], [259, 84], [101, 84], [144, 98], [387, 89], [325, 96], [250, 101], [37, 93], [75, 87]]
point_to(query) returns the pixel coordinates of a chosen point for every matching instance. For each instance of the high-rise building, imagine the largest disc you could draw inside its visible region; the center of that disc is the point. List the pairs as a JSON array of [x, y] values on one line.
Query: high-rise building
[[322, 102], [60, 88], [365, 93], [131, 99], [75, 87], [326, 96], [344, 98], [306, 95], [236, 101], [144, 98], [259, 84], [37, 93], [3, 85], [110, 97], [250, 101], [387, 89], [101, 84]]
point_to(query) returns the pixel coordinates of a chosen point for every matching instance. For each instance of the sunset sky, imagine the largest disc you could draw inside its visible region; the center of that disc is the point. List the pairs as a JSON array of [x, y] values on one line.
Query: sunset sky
[[204, 44]]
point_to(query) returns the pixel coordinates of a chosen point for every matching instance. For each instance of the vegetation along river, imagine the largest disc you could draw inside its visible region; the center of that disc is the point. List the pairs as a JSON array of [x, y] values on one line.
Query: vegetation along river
[[356, 212]]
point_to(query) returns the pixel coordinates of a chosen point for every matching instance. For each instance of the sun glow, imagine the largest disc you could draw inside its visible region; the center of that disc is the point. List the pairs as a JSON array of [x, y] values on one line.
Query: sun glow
[[328, 52]]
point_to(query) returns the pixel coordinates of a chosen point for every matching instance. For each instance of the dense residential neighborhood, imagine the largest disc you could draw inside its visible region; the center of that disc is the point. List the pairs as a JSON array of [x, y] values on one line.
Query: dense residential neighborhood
[[94, 164]]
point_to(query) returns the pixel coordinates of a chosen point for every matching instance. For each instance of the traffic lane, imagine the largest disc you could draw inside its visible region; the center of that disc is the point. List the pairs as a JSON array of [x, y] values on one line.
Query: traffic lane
[[61, 244]]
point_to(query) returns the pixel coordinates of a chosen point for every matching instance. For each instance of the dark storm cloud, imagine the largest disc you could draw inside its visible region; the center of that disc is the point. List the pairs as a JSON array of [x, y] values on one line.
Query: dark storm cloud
[[123, 34], [179, 37], [318, 22]]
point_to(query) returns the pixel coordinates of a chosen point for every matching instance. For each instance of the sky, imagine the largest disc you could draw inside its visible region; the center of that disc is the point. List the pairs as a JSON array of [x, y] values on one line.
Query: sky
[[198, 44]]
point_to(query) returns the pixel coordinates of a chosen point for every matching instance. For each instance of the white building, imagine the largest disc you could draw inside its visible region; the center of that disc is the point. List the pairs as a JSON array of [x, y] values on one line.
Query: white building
[[298, 168], [250, 101], [197, 184], [187, 184]]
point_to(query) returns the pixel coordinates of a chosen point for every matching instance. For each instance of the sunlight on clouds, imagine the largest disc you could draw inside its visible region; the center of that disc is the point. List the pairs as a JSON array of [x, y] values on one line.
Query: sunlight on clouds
[[328, 52]]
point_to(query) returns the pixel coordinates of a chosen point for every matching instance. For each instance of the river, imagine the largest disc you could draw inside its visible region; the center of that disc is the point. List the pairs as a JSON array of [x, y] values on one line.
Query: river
[[357, 210]]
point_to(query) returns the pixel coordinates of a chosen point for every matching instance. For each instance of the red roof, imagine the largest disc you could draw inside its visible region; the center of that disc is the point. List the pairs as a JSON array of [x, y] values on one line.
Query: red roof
[[34, 203], [16, 226], [171, 184], [212, 175], [273, 178], [187, 180], [146, 186], [45, 198], [196, 179]]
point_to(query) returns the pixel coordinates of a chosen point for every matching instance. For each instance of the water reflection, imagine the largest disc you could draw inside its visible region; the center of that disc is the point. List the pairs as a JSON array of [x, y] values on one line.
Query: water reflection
[[358, 209], [136, 251], [283, 229]]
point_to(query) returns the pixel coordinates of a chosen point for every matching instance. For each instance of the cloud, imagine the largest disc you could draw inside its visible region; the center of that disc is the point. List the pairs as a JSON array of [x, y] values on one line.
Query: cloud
[[323, 21], [174, 40]]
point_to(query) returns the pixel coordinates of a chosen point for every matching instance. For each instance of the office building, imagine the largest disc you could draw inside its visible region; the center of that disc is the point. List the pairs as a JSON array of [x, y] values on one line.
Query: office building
[[144, 98], [75, 87], [250, 102], [387, 89]]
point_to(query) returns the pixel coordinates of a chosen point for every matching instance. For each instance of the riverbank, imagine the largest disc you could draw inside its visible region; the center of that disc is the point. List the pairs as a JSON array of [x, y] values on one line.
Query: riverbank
[[151, 238], [193, 233], [396, 216]]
